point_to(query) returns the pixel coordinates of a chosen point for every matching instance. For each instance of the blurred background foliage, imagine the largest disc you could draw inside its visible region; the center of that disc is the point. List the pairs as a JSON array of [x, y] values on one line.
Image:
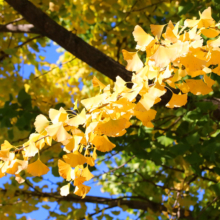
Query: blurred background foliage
[[175, 165]]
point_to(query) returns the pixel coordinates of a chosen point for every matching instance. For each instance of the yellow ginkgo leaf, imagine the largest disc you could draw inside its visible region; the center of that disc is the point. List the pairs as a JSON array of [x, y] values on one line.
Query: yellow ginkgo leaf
[[133, 61], [41, 123], [94, 154], [94, 101], [150, 72], [210, 33], [157, 90], [192, 63], [191, 23], [146, 117], [164, 55], [82, 190], [6, 155], [152, 47], [102, 143], [34, 137], [139, 107], [193, 34], [58, 115], [112, 127], [177, 100], [76, 131], [19, 179], [130, 96], [120, 86], [91, 128], [164, 75], [217, 70], [170, 25], [142, 38], [75, 105], [48, 141], [16, 166], [210, 82], [169, 35], [214, 43], [78, 119], [37, 168], [205, 20], [148, 100], [58, 132], [74, 159], [157, 30], [87, 174], [73, 143], [6, 146], [64, 170], [198, 87], [183, 87], [79, 180], [214, 59], [90, 161], [97, 83], [31, 150], [1, 173], [65, 190], [4, 166], [37, 139]]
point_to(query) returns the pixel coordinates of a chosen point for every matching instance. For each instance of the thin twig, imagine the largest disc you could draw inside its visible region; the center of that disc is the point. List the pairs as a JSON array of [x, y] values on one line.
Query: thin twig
[[29, 40], [17, 150], [113, 170], [55, 68], [11, 22], [204, 209]]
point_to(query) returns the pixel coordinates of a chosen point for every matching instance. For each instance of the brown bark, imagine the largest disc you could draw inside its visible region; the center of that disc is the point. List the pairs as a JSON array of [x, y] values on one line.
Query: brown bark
[[70, 41], [131, 202]]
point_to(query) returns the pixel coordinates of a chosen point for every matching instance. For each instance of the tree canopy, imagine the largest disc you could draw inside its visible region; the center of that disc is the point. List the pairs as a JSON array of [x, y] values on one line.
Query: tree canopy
[[136, 89]]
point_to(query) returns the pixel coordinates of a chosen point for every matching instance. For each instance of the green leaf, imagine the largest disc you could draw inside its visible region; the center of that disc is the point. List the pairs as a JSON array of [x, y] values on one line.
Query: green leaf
[[12, 149], [24, 99], [193, 138], [166, 141], [194, 158], [46, 206], [37, 179], [205, 106], [10, 134], [11, 51], [183, 9], [187, 201], [180, 148], [115, 212], [55, 171], [216, 188]]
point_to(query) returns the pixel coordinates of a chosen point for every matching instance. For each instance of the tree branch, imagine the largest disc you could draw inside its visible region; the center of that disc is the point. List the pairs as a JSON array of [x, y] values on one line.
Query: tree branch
[[132, 202], [70, 41], [19, 28], [43, 24]]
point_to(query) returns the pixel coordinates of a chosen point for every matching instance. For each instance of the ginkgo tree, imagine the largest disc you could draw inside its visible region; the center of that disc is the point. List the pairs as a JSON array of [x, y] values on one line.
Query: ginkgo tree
[[161, 116]]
